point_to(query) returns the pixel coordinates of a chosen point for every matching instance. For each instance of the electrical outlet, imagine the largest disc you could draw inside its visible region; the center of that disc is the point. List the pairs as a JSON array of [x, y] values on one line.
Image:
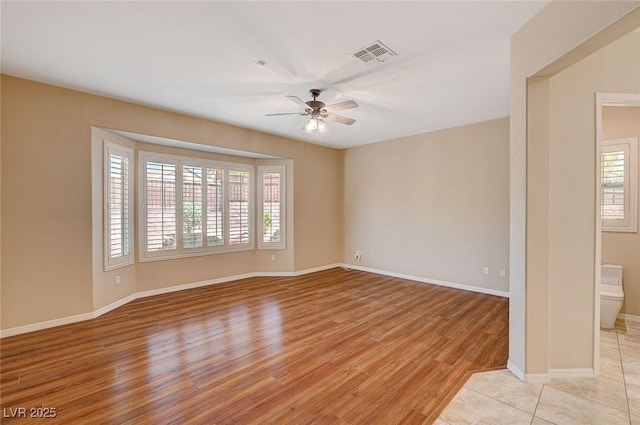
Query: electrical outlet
[[503, 272], [273, 257], [117, 279], [357, 255], [485, 270]]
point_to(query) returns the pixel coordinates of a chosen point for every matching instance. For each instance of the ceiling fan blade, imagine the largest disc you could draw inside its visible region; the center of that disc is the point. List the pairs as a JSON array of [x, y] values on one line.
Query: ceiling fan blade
[[339, 118], [342, 105], [287, 113], [296, 99]]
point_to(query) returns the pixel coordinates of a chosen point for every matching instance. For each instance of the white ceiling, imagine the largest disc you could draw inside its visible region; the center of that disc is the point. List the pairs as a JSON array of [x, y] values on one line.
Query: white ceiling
[[199, 58]]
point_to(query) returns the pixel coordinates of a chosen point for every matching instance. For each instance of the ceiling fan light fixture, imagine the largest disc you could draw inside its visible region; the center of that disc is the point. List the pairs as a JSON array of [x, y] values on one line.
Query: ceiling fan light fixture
[[310, 126], [314, 124], [317, 112]]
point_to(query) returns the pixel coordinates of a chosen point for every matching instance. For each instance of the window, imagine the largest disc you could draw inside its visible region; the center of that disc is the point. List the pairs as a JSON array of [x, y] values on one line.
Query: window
[[160, 206], [192, 203], [194, 207], [215, 207], [239, 212], [619, 185], [271, 191], [118, 211]]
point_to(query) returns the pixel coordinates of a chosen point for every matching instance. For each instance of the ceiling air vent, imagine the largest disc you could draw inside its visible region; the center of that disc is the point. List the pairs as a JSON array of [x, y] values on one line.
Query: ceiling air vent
[[375, 51]]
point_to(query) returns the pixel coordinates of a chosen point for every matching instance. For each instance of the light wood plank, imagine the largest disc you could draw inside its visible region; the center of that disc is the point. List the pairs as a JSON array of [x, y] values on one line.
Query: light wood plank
[[333, 347]]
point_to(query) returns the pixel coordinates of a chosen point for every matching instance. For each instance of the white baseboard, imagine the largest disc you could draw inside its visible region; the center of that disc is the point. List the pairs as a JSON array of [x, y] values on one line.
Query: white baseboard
[[316, 269], [193, 285], [533, 378], [572, 373], [102, 310], [488, 291], [143, 294], [297, 272], [107, 308], [226, 279], [629, 317], [45, 325], [274, 274], [545, 378], [516, 371], [537, 378]]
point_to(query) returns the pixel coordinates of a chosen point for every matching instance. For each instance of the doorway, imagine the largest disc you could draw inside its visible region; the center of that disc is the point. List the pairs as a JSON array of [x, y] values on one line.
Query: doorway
[[605, 100]]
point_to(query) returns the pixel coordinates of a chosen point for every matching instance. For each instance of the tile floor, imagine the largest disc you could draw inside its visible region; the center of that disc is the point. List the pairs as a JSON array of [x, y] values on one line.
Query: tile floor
[[613, 398]]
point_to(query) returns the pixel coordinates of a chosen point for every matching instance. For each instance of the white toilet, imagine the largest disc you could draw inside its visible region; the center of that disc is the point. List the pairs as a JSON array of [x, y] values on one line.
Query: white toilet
[[611, 295]]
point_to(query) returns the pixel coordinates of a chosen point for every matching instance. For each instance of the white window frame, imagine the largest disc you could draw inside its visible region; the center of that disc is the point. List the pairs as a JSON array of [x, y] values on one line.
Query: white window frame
[[180, 251], [281, 169], [250, 197], [145, 255], [110, 262], [630, 222]]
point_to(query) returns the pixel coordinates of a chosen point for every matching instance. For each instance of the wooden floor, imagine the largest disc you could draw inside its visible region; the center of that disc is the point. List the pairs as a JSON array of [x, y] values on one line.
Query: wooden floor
[[334, 347]]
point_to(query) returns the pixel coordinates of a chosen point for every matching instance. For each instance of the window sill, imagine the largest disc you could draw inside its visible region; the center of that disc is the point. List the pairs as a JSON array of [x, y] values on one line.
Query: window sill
[[619, 229], [143, 259]]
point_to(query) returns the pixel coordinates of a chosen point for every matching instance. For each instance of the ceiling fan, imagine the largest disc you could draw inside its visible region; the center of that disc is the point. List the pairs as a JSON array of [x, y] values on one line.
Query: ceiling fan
[[318, 111]]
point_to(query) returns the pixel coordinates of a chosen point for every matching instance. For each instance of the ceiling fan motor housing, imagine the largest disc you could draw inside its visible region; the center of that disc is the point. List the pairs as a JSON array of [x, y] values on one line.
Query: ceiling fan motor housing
[[318, 110], [315, 105]]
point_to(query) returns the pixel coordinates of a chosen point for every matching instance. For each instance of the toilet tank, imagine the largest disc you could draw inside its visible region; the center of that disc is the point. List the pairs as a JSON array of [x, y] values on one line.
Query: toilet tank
[[611, 274]]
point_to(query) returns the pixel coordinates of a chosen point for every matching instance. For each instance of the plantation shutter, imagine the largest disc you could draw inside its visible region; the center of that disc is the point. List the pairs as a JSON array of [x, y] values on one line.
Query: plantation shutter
[[613, 185], [238, 204], [160, 206], [192, 218], [271, 199], [619, 185], [119, 206], [193, 206], [215, 207]]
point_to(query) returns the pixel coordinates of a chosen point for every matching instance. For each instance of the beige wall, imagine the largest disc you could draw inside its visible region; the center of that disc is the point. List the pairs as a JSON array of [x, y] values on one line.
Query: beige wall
[[572, 192], [105, 291], [623, 247], [322, 174], [0, 205], [539, 333], [434, 205], [147, 276], [537, 241], [47, 265]]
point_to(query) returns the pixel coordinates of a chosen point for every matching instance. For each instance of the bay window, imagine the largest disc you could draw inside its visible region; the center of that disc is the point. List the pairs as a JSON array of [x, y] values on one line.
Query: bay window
[[118, 210], [193, 207], [271, 190]]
